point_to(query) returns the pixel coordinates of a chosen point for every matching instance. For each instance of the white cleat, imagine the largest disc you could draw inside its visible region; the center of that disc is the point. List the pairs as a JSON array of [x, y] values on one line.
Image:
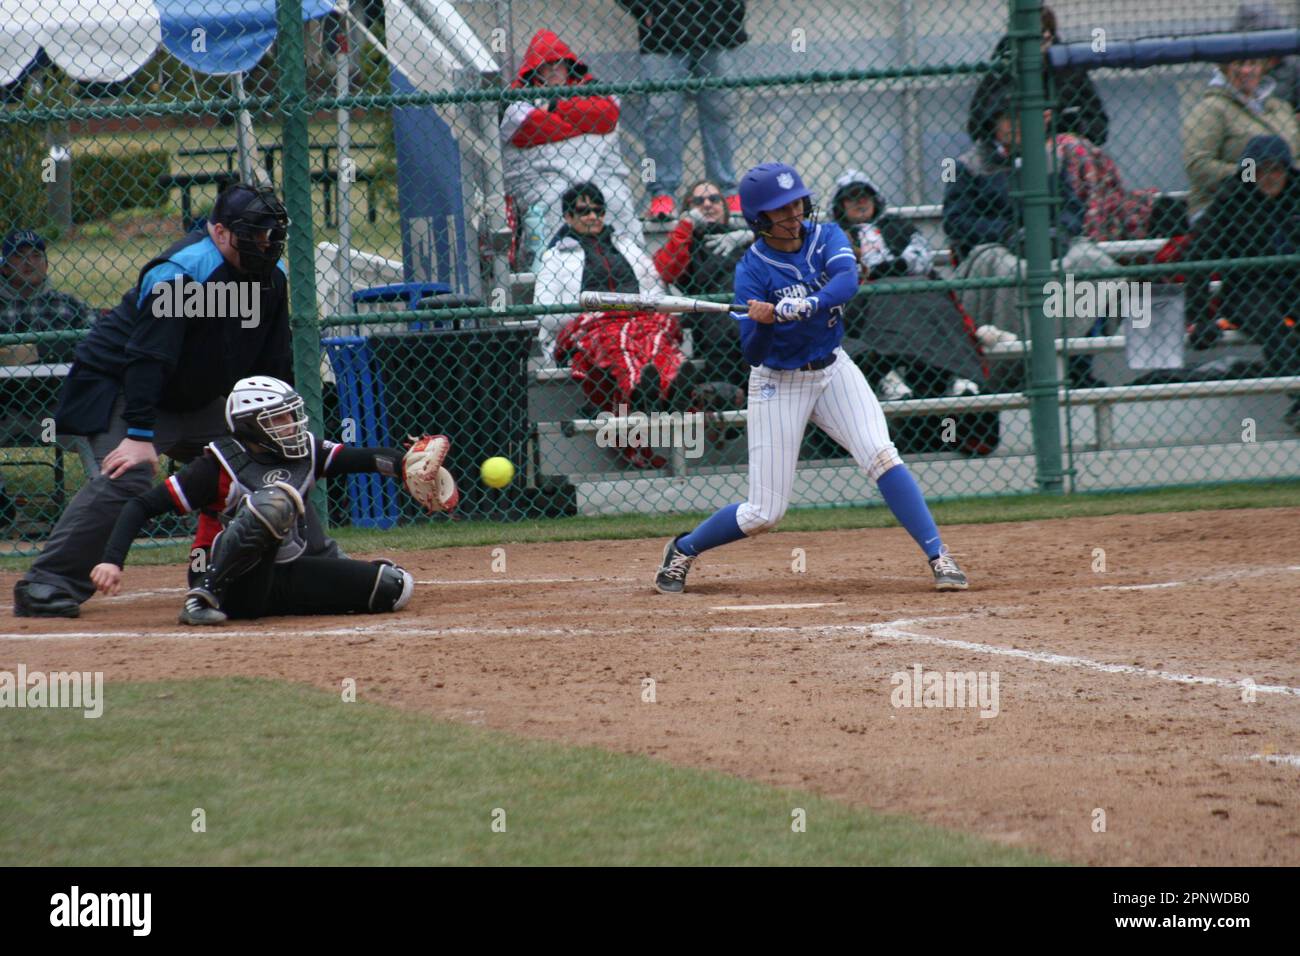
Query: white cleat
[[962, 387], [990, 335], [893, 388]]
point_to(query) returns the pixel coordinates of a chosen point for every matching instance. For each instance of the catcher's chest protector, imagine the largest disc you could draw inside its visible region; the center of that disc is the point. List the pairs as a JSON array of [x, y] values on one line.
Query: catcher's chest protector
[[247, 475]]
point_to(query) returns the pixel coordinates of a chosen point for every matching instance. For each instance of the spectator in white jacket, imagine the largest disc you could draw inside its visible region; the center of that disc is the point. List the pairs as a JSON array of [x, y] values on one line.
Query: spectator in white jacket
[[587, 255], [561, 139], [622, 359]]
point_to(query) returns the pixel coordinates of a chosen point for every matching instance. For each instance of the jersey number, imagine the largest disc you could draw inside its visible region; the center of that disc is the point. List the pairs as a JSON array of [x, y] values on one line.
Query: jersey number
[[836, 313]]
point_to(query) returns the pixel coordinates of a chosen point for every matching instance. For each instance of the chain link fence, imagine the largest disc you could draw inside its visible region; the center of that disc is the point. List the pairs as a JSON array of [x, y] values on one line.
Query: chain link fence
[[1077, 232]]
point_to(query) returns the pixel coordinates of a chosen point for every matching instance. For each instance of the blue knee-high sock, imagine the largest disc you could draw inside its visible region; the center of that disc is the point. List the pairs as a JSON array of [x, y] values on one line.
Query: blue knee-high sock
[[905, 500], [718, 529]]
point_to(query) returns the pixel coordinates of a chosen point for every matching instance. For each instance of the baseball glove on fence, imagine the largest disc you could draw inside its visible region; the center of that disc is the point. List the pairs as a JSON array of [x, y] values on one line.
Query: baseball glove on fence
[[424, 477]]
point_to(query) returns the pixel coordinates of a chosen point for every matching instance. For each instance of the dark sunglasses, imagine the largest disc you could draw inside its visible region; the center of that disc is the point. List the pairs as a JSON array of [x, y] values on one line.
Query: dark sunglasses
[[701, 200], [583, 210]]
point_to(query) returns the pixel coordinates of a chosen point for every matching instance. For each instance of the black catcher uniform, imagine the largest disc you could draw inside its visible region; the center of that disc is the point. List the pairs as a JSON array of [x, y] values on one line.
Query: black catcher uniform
[[249, 489]]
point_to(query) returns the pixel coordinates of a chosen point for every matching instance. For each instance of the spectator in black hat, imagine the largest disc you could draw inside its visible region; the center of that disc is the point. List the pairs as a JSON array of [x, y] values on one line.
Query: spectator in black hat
[[1254, 213], [152, 376], [30, 303]]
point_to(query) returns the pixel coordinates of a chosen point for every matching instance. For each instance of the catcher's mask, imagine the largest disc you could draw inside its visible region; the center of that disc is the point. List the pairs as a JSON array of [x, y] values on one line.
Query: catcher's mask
[[259, 223], [252, 406]]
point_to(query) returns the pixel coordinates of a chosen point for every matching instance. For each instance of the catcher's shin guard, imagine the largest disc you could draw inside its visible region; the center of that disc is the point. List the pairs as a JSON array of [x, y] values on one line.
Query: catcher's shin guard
[[263, 520], [393, 588]]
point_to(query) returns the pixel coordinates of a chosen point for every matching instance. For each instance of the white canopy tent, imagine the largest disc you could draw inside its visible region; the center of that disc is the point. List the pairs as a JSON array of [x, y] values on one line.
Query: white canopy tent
[[108, 41], [111, 40]]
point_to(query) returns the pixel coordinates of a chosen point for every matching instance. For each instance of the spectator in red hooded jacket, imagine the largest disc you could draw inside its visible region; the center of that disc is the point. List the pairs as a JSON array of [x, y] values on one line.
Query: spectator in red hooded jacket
[[563, 138]]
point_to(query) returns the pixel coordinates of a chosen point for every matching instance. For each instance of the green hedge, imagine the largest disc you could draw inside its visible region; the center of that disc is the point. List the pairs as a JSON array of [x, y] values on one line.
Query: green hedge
[[22, 147], [102, 184]]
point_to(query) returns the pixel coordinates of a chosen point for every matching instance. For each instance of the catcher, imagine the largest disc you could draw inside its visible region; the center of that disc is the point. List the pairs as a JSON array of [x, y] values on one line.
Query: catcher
[[249, 489]]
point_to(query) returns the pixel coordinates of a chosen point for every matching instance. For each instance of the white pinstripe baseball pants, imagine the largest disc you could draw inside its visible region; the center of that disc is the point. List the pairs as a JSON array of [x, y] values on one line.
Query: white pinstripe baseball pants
[[839, 400]]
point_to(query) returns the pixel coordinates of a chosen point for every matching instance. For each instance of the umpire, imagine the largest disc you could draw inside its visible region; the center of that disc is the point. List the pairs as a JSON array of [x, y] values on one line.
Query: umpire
[[152, 376]]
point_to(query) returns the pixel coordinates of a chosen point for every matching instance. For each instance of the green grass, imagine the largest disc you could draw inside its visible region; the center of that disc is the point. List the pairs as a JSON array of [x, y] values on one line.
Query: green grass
[[102, 262], [37, 479], [1277, 494], [291, 775], [102, 259], [265, 131]]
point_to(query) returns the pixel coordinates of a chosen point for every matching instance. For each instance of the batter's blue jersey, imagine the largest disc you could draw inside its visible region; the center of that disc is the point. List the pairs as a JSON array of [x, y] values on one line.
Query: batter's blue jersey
[[825, 267]]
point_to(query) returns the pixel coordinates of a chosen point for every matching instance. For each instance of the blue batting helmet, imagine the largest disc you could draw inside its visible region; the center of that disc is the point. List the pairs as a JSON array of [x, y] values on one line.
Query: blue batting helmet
[[767, 187]]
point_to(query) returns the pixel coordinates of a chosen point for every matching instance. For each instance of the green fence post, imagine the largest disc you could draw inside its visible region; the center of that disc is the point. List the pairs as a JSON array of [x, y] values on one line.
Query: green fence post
[[296, 170], [1036, 196]]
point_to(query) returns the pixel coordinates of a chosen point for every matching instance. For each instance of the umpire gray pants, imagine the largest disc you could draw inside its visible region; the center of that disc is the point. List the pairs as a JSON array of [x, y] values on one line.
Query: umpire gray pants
[[78, 540]]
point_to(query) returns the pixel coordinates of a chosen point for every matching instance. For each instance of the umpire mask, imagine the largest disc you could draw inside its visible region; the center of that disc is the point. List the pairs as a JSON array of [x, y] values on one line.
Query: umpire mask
[[259, 223]]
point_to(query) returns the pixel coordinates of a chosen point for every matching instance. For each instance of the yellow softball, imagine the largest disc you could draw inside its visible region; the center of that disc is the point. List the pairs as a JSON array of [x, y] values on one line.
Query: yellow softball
[[497, 472]]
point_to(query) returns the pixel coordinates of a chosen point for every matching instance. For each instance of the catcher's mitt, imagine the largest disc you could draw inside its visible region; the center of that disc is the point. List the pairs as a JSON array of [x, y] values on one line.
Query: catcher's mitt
[[424, 477]]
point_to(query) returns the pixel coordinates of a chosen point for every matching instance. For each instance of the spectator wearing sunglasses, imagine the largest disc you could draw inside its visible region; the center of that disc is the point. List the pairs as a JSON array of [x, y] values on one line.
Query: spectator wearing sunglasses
[[699, 259], [624, 358]]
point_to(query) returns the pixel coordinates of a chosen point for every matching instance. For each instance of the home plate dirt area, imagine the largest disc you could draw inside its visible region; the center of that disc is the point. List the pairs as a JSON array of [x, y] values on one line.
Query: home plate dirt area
[[1147, 713]]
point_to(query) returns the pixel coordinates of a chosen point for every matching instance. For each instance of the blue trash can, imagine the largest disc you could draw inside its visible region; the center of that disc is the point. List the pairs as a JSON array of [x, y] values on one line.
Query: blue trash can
[[372, 498], [408, 292]]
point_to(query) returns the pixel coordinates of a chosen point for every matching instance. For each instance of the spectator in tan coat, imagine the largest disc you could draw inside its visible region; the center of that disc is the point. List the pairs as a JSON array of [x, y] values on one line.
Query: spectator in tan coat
[[1238, 106]]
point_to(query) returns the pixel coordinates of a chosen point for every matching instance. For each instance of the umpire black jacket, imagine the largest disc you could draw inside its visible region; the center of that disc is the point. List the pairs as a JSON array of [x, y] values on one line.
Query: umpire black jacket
[[173, 355]]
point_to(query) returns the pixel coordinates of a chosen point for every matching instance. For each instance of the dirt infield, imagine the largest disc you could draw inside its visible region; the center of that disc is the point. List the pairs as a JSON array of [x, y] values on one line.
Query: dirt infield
[[1123, 695]]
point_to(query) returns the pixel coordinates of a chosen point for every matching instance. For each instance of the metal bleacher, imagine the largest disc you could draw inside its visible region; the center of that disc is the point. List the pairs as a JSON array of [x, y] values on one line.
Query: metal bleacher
[[1108, 430], [1196, 416]]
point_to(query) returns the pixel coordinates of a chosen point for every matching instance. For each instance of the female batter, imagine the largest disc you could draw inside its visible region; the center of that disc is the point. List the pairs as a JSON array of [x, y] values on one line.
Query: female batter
[[795, 279]]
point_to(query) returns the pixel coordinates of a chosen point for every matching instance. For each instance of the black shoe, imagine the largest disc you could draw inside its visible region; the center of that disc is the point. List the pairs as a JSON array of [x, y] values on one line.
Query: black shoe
[[1087, 381], [671, 576], [201, 609], [1079, 373], [645, 397], [32, 599]]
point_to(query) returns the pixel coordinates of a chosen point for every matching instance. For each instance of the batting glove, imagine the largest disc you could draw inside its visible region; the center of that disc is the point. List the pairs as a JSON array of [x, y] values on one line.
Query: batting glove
[[725, 243], [793, 310]]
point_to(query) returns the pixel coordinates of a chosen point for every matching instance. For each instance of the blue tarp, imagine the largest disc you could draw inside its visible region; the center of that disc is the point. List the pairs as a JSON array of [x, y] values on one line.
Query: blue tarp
[[94, 40], [237, 33]]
